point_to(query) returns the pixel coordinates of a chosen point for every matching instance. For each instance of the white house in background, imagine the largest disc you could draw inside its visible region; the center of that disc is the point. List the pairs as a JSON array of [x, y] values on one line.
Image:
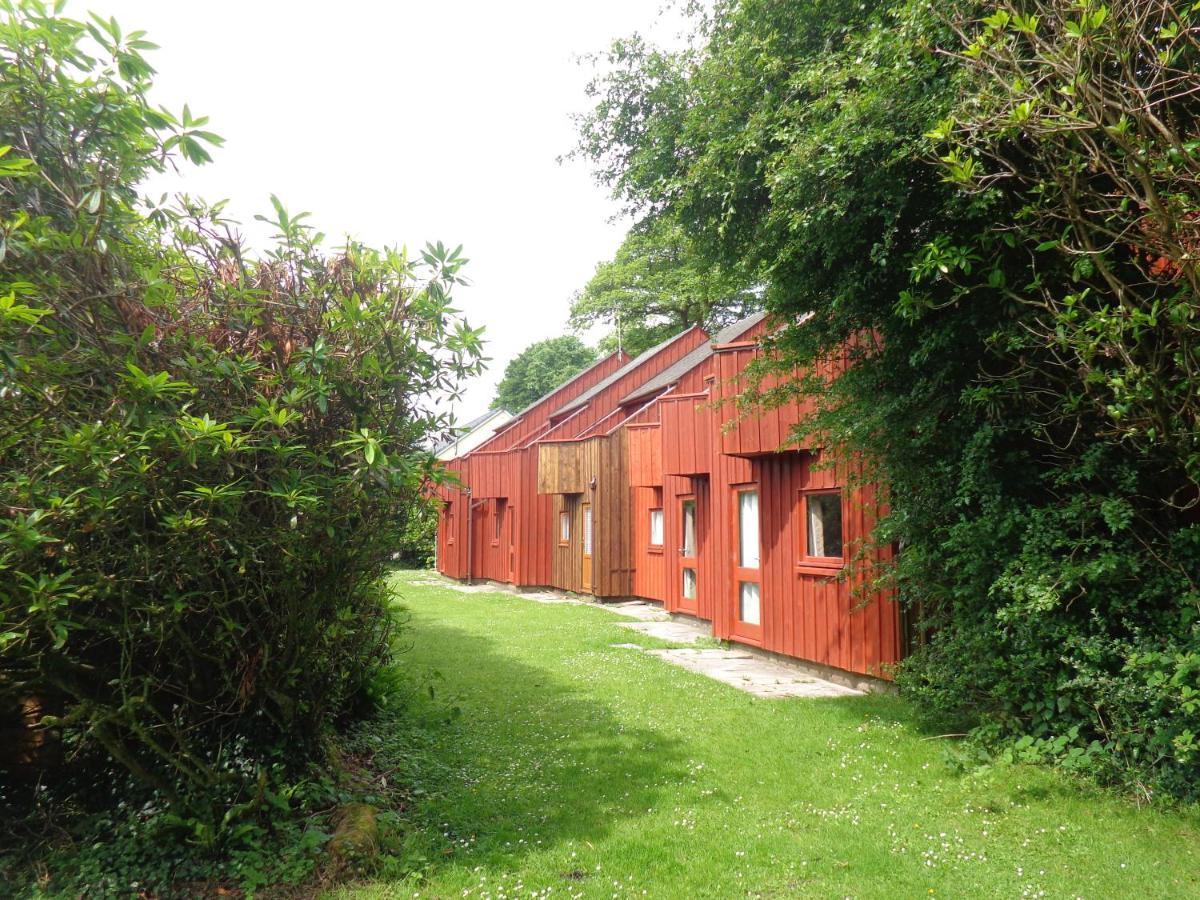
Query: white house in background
[[472, 434]]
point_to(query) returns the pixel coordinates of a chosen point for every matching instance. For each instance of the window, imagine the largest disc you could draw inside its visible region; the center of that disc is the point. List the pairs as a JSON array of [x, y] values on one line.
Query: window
[[498, 523], [449, 523], [564, 527], [587, 529], [748, 529], [822, 525], [656, 527], [749, 603], [688, 547], [746, 574], [689, 584]]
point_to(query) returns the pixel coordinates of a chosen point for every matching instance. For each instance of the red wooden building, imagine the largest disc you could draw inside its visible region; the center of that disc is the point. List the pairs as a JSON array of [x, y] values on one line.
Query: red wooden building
[[634, 479]]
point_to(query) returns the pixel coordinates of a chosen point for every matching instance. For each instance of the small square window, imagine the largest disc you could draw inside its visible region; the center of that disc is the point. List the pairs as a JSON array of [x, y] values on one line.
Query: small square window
[[689, 584], [749, 603], [564, 527], [823, 525], [656, 528]]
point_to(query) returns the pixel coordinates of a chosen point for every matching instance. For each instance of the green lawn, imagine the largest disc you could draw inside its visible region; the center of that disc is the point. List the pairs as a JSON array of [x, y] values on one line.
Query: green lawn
[[583, 770]]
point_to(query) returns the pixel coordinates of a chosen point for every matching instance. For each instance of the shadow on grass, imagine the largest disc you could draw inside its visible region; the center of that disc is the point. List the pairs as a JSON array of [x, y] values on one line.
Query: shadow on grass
[[506, 758]]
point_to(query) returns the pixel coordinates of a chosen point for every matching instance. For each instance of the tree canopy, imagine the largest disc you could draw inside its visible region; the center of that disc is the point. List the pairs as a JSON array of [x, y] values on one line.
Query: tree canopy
[[994, 204], [658, 285], [540, 368]]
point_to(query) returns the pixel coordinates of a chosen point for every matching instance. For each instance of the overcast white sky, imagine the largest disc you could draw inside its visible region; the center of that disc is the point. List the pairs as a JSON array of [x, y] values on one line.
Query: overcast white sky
[[402, 122]]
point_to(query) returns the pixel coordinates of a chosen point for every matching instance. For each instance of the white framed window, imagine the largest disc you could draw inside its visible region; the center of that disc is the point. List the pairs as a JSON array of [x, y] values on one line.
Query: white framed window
[[564, 527], [688, 524], [587, 529], [656, 528], [748, 551], [749, 603], [689, 584], [823, 525]]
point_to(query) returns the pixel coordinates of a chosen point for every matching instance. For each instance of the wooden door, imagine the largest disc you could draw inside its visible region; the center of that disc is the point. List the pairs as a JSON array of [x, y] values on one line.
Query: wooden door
[[687, 580], [586, 576], [747, 564]]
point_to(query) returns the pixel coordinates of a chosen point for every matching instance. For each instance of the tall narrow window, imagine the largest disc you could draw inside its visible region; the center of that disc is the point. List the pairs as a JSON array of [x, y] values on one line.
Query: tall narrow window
[[564, 527], [656, 527], [449, 523], [748, 529], [498, 524], [688, 547], [587, 528], [823, 525]]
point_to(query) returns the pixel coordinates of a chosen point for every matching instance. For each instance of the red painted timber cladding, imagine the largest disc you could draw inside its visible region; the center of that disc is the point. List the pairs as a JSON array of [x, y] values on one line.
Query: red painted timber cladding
[[770, 430], [645, 455], [537, 417], [676, 448], [649, 574], [815, 617], [675, 489], [687, 428], [608, 400]]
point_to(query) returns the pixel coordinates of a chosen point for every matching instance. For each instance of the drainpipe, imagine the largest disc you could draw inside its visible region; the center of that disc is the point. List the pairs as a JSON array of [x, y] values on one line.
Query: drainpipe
[[470, 532]]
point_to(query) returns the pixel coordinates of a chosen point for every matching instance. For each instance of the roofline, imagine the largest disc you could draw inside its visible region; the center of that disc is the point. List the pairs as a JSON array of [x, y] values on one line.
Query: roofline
[[517, 417], [657, 348]]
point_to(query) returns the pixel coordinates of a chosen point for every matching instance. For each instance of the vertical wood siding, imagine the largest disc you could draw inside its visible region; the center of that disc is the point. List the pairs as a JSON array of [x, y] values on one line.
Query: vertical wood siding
[[688, 420], [627, 462], [649, 563]]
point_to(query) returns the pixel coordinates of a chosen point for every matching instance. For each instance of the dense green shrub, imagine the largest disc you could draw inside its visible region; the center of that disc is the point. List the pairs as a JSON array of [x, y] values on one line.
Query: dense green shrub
[[1015, 222], [205, 457], [418, 534]]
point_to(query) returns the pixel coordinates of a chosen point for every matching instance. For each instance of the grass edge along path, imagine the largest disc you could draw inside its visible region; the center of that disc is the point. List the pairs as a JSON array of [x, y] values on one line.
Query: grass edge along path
[[545, 762]]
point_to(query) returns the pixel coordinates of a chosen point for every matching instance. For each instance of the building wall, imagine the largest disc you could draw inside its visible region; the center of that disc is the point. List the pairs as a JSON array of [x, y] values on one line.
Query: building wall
[[671, 447], [827, 617]]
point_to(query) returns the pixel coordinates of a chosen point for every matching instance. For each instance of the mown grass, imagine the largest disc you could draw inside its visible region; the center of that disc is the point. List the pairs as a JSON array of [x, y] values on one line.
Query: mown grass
[[577, 769]]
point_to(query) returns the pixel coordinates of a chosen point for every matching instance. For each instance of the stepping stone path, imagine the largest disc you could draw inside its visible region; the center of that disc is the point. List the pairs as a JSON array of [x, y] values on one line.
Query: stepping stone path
[[745, 671], [676, 632], [753, 674]]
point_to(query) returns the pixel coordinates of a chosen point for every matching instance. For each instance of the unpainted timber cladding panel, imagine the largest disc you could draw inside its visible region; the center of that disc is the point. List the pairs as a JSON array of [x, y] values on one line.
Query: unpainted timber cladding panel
[[563, 467], [597, 469], [567, 569], [613, 550]]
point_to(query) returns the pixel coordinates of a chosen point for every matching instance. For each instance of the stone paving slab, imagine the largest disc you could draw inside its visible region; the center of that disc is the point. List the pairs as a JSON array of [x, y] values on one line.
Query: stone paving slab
[[674, 631], [753, 674], [638, 609]]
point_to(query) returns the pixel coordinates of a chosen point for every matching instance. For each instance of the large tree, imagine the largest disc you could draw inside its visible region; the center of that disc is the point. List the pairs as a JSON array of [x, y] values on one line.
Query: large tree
[[657, 285], [539, 369], [1025, 406]]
